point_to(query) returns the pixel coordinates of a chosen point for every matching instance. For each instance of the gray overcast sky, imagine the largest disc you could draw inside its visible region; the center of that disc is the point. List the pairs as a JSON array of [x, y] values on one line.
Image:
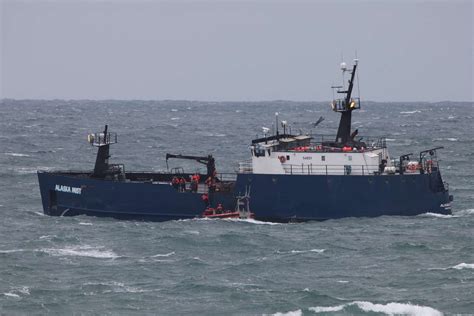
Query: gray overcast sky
[[235, 50]]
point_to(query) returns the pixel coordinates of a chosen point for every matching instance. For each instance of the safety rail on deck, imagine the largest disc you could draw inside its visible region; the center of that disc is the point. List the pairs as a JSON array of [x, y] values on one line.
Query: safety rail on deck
[[245, 167], [371, 142], [331, 169], [227, 176]]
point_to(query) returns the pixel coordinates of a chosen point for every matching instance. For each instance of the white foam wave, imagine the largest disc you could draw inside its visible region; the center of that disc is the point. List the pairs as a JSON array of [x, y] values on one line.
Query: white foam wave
[[24, 290], [249, 220], [163, 255], [465, 212], [17, 155], [311, 250], [208, 134], [451, 139], [174, 110], [15, 292], [85, 223], [301, 251], [464, 266], [175, 118], [82, 251], [389, 308], [10, 294], [119, 287], [298, 312], [410, 112], [398, 309], [12, 250], [326, 309], [192, 232], [429, 214]]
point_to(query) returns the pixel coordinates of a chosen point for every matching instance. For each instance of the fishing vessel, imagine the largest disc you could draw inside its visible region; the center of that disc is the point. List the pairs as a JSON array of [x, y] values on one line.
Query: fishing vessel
[[292, 177]]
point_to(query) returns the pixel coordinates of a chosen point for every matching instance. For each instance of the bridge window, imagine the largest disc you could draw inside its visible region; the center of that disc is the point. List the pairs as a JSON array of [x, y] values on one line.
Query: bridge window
[[259, 152], [287, 157], [323, 158], [350, 158]]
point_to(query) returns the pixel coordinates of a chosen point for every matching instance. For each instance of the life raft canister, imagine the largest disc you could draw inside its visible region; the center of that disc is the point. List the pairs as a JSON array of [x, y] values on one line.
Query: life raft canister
[[346, 148], [413, 166], [429, 165], [282, 159]]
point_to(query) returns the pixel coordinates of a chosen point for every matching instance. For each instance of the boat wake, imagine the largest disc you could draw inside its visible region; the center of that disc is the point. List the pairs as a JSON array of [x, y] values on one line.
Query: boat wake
[[250, 221], [467, 212], [429, 214], [462, 213], [243, 220]]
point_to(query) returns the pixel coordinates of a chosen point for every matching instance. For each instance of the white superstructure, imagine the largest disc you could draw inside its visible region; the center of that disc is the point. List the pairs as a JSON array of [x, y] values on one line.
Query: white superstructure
[[289, 154]]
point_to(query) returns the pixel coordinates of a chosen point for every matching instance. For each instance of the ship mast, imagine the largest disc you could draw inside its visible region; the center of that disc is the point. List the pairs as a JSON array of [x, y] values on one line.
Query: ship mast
[[102, 141], [345, 107]]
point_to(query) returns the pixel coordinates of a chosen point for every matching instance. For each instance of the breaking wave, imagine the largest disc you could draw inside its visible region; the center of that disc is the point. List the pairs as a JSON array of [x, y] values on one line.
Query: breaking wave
[[298, 312], [10, 294], [389, 308], [82, 251], [302, 251], [17, 292], [12, 250], [410, 112], [115, 287], [450, 139], [17, 155], [163, 255], [463, 266]]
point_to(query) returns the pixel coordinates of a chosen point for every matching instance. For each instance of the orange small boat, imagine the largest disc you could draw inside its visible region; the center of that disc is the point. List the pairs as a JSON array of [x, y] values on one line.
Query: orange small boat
[[213, 213], [242, 209]]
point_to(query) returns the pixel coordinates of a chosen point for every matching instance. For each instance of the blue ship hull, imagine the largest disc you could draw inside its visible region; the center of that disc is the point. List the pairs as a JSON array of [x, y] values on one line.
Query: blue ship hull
[[321, 197], [272, 197]]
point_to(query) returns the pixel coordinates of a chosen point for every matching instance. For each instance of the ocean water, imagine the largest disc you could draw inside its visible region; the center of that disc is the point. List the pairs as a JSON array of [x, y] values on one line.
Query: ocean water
[[422, 265]]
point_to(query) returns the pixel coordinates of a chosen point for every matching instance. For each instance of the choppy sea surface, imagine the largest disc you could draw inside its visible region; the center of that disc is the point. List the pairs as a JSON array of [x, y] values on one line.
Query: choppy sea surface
[[422, 265]]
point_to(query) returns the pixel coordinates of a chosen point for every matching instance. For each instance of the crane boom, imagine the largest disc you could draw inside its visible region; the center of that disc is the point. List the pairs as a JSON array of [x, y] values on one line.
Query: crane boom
[[209, 161]]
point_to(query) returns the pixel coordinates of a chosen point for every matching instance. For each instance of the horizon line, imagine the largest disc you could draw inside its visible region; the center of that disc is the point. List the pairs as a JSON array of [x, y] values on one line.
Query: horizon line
[[220, 101]]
